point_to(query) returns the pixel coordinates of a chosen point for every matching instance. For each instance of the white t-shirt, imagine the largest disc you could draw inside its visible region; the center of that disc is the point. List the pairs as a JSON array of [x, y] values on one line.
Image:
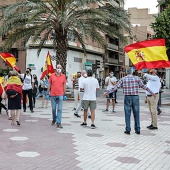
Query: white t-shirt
[[153, 83], [27, 84], [89, 84], [80, 81], [110, 80]]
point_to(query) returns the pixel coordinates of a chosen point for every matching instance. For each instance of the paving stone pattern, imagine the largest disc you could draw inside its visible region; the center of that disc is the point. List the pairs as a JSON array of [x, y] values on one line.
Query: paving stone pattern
[[37, 145]]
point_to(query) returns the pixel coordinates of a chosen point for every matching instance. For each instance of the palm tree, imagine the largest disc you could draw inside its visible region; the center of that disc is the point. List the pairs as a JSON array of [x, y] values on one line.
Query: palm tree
[[59, 18]]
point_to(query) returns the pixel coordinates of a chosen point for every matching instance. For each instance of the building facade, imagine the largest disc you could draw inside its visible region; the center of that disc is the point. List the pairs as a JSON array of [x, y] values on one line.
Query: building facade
[[108, 60]]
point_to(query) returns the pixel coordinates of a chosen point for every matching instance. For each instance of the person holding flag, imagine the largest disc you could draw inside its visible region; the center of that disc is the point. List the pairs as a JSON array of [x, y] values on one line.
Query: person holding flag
[[154, 84], [130, 84]]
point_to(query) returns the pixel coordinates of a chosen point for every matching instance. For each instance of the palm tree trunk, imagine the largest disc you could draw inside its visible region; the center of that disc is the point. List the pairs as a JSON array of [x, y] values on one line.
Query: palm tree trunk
[[61, 49]]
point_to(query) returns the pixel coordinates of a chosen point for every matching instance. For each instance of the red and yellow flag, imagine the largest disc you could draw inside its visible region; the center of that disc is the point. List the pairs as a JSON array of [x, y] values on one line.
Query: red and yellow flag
[[14, 83], [48, 68], [10, 60], [148, 54]]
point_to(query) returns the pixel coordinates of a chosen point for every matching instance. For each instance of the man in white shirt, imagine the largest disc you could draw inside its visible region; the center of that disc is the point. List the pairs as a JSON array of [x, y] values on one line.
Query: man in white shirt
[[110, 81], [153, 84], [89, 85], [28, 84]]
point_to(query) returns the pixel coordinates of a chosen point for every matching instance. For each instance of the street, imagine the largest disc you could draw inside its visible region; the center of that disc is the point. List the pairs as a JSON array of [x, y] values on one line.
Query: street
[[37, 145]]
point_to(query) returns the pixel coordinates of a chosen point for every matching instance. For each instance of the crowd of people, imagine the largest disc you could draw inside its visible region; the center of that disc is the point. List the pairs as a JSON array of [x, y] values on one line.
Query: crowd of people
[[26, 88]]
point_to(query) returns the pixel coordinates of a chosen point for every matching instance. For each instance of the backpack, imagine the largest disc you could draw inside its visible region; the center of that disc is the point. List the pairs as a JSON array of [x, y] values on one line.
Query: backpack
[[22, 80]]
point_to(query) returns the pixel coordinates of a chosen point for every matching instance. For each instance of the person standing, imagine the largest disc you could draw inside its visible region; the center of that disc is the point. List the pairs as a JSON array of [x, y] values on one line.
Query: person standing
[[89, 85], [81, 93], [44, 85], [28, 84], [130, 84], [76, 90], [34, 90], [154, 84], [110, 81], [57, 88], [13, 90]]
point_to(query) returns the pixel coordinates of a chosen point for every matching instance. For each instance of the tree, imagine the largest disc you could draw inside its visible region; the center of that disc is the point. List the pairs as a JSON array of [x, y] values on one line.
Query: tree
[[161, 26], [59, 18]]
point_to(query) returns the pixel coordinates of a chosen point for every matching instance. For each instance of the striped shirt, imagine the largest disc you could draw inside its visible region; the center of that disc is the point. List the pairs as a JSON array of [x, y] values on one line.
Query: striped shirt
[[130, 84]]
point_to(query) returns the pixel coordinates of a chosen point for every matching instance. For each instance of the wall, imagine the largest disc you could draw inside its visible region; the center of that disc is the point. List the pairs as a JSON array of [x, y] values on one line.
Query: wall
[[72, 61]]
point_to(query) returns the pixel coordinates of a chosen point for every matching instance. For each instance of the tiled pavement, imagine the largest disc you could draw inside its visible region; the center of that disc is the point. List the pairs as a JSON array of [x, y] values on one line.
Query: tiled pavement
[[38, 145]]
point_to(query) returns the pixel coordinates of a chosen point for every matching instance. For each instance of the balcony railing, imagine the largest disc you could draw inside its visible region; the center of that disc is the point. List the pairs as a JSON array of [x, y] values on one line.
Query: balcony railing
[[114, 3], [112, 46], [112, 60]]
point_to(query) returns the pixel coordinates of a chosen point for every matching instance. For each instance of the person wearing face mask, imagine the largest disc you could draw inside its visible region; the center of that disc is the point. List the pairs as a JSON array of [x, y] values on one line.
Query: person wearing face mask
[[110, 81], [34, 90], [28, 84], [154, 84], [81, 92], [76, 90], [57, 89]]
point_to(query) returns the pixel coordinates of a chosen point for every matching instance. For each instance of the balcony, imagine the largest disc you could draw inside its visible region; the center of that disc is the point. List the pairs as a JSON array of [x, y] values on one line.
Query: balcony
[[112, 47], [112, 60], [114, 3]]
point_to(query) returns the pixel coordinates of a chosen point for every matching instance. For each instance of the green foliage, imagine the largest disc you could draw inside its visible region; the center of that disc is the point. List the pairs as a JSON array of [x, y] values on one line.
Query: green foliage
[[161, 26], [59, 18]]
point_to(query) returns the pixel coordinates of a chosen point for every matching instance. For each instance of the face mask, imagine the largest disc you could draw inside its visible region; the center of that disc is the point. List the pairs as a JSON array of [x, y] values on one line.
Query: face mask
[[27, 71], [85, 75], [111, 75], [59, 70]]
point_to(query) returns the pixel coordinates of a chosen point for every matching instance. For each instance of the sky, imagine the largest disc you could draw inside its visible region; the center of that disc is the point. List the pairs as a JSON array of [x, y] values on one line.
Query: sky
[[151, 4]]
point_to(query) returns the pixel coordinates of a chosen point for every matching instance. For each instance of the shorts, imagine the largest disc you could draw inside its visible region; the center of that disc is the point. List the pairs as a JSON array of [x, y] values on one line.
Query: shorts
[[44, 92], [89, 103], [110, 96]]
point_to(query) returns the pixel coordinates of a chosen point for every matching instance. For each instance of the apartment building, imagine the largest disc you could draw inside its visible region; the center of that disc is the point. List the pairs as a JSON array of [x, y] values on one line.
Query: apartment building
[[140, 27], [17, 49], [111, 59]]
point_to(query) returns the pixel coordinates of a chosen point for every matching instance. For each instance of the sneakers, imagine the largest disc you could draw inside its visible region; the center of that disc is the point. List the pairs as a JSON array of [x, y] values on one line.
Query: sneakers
[[59, 125], [93, 126], [77, 115], [32, 111], [53, 122], [89, 116], [10, 118], [113, 111], [106, 110], [83, 124]]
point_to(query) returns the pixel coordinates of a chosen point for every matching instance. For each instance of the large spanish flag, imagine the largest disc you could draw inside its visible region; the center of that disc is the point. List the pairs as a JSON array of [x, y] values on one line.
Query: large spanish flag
[[10, 60], [14, 83], [48, 68], [148, 54]]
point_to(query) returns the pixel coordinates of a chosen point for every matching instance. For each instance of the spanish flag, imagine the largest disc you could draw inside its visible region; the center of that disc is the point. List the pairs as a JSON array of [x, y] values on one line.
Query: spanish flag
[[48, 68], [14, 83], [10, 60], [148, 54]]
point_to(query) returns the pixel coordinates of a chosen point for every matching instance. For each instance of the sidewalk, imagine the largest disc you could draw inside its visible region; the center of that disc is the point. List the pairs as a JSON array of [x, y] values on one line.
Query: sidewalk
[[36, 145]]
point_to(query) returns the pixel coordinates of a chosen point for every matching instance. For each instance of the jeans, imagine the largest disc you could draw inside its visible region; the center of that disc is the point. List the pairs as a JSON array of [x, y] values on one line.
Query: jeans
[[29, 93], [132, 102], [57, 100]]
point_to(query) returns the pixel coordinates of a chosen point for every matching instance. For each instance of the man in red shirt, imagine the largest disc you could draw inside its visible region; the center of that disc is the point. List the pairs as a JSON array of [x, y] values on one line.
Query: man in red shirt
[[57, 88]]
